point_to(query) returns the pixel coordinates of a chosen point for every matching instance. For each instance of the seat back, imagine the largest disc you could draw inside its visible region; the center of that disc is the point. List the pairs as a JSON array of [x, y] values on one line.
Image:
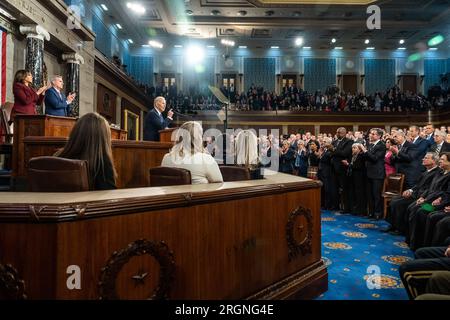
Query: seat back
[[394, 183], [167, 176], [54, 174], [234, 173]]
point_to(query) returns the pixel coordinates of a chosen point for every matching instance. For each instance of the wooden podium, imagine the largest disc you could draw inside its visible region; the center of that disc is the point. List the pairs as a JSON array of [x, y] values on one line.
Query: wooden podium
[[166, 135], [43, 126]]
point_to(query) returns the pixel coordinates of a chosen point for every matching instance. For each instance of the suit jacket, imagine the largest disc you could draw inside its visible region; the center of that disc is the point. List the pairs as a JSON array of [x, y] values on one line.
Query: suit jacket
[[343, 151], [375, 161], [445, 148], [287, 161], [25, 100], [406, 161], [324, 170], [440, 187], [422, 147], [56, 104], [153, 123], [424, 182]]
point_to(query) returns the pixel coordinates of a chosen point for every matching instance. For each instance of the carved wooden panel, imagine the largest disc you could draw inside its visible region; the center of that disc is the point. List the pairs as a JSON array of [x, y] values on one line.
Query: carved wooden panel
[[119, 259], [299, 232]]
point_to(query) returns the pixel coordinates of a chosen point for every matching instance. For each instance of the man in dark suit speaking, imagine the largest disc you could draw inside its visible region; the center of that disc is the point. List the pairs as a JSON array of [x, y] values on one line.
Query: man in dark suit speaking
[[56, 103], [154, 121]]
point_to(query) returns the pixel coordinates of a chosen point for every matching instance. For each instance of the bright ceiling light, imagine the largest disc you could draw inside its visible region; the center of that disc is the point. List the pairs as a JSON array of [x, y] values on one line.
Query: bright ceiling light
[[370, 48], [401, 41], [136, 7], [155, 44], [432, 49], [338, 48], [118, 26], [104, 7], [307, 48], [146, 46], [130, 41], [195, 54], [333, 40], [298, 42], [211, 46], [367, 41], [178, 46], [242, 47], [274, 47], [226, 42], [401, 48]]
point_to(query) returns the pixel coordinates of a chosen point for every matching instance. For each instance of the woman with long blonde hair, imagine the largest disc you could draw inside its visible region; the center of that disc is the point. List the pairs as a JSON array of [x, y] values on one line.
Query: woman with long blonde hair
[[90, 140], [189, 153]]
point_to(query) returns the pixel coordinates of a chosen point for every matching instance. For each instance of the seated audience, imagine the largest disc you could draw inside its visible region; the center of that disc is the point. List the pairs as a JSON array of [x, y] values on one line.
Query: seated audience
[[415, 274], [90, 140], [398, 208], [189, 153], [404, 157]]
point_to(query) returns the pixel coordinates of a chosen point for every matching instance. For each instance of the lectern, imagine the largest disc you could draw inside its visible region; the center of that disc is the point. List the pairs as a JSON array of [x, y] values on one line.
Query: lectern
[[166, 134]]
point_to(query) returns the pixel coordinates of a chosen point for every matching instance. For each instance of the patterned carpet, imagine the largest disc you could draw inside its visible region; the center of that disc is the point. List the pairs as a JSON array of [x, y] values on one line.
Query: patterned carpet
[[356, 251]]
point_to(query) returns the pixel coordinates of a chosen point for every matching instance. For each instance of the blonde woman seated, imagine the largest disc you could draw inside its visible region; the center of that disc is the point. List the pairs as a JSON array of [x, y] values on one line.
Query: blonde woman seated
[[246, 151], [189, 153]]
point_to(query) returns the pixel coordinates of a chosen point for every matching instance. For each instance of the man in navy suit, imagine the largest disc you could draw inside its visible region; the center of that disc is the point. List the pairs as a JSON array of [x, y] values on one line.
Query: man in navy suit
[[374, 160], [56, 103], [405, 159], [154, 121], [420, 143], [429, 131]]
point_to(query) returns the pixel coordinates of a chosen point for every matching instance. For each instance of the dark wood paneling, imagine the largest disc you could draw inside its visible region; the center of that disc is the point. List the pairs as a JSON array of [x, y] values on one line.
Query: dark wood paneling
[[106, 103], [132, 159], [226, 244], [301, 129], [332, 128]]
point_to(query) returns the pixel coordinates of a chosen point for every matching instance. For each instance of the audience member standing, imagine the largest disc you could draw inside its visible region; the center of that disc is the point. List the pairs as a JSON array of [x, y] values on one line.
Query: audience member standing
[[342, 151], [388, 165], [357, 173], [405, 159], [56, 103], [374, 157], [25, 97]]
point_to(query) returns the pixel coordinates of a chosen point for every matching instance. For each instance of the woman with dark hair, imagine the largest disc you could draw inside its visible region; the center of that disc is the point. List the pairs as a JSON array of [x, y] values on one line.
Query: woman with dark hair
[[25, 97], [388, 164], [90, 140]]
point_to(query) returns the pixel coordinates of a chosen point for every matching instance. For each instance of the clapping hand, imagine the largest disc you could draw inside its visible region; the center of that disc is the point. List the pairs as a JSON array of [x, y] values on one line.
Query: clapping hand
[[407, 194], [42, 90], [345, 162], [420, 200], [447, 209], [70, 97], [437, 201], [170, 113], [394, 149], [363, 149]]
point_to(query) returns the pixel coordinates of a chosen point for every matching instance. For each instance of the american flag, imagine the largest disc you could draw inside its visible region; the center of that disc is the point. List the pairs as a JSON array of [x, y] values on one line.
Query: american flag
[[2, 66]]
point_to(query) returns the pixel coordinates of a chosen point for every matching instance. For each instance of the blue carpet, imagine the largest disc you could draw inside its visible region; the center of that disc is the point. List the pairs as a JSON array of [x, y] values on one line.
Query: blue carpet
[[356, 251]]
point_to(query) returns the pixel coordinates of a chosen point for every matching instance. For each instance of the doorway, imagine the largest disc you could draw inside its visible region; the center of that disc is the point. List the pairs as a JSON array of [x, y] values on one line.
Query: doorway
[[350, 83], [409, 83]]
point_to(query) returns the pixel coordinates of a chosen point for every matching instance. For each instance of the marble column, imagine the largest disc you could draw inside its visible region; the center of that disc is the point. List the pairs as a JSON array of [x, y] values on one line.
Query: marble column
[[72, 80], [34, 61]]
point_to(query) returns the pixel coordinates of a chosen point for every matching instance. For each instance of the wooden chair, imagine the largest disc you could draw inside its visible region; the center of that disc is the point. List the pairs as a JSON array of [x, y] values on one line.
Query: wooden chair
[[393, 186], [234, 173], [54, 174], [166, 176], [5, 128]]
